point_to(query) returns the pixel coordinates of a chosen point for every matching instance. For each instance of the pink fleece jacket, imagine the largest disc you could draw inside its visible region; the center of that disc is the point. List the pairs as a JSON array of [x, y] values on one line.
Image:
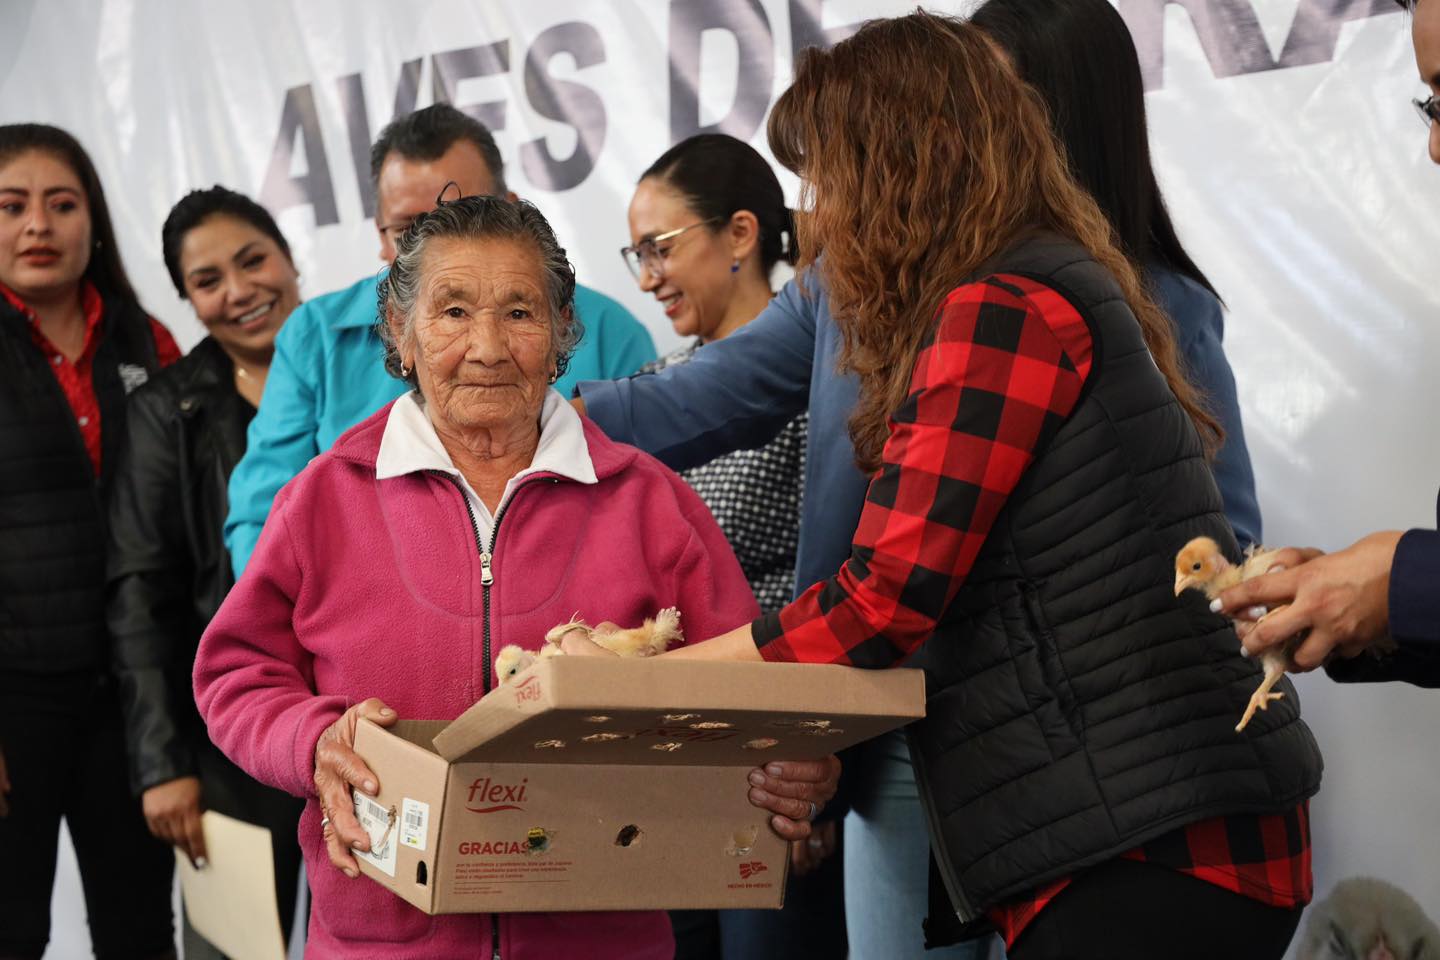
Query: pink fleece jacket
[[371, 588]]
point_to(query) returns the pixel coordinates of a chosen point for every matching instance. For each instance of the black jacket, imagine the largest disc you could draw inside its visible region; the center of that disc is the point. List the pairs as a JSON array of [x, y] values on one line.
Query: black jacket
[[168, 567], [52, 506], [1076, 707]]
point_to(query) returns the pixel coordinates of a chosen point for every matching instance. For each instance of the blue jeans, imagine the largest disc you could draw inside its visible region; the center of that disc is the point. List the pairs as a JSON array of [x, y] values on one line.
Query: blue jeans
[[887, 863]]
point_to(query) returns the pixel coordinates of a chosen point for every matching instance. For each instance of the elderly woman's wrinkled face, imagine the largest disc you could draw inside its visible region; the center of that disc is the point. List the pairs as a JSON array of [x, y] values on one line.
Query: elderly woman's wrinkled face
[[480, 341]]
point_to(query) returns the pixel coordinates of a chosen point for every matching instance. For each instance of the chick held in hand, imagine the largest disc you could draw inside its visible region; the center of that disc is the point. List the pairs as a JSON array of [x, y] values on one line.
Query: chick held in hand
[[1201, 566], [651, 638], [1368, 919]]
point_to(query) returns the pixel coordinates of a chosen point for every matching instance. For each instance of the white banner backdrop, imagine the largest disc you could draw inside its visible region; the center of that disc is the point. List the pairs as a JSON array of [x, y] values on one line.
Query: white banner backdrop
[[1293, 164]]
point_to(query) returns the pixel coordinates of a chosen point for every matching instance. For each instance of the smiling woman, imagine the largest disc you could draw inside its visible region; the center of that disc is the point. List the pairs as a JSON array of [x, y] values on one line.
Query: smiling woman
[[168, 569]]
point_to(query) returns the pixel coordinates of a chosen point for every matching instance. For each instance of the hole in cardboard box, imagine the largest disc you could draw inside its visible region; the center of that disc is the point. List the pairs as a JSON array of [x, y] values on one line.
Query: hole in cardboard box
[[605, 737], [711, 725], [678, 717], [537, 840], [549, 744], [742, 840], [598, 718], [628, 835], [760, 743], [420, 876], [670, 747]]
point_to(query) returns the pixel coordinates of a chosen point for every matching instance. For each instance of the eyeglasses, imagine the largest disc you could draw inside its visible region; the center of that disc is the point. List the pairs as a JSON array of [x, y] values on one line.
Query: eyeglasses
[[1429, 109], [649, 255]]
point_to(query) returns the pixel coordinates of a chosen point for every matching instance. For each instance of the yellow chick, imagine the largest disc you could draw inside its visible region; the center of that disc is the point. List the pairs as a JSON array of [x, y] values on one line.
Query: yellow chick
[[652, 637], [511, 660], [1201, 566]]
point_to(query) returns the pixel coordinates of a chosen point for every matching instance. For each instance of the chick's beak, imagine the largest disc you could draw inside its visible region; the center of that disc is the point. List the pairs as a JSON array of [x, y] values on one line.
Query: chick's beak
[[1381, 951], [1183, 582]]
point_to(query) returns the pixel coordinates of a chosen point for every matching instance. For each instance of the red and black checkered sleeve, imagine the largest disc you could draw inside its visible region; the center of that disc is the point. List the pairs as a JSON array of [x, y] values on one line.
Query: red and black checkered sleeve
[[1002, 371]]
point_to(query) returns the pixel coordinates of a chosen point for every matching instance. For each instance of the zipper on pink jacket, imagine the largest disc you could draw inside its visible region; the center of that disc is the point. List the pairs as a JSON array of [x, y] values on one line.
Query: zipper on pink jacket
[[487, 580]]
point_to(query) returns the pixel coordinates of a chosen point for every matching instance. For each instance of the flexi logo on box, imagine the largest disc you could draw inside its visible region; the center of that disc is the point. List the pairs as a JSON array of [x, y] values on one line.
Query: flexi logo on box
[[528, 689], [499, 796], [750, 868]]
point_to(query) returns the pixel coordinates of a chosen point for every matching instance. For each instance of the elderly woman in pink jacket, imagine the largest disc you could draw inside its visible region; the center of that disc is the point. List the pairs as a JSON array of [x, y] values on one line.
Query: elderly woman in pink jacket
[[476, 511]]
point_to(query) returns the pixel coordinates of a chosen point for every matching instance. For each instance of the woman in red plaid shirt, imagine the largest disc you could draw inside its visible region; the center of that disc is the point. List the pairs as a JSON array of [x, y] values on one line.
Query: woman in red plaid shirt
[[1038, 458]]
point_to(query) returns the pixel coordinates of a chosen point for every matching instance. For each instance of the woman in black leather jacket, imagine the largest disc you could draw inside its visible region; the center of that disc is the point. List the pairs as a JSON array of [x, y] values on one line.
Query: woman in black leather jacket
[[168, 568]]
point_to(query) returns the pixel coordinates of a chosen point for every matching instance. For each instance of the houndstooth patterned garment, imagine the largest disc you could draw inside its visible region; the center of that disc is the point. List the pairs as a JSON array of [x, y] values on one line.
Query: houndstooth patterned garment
[[755, 497]]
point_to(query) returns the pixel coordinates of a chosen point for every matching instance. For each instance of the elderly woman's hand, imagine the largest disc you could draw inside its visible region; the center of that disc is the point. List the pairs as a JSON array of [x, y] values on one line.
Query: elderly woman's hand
[[794, 791], [338, 769]]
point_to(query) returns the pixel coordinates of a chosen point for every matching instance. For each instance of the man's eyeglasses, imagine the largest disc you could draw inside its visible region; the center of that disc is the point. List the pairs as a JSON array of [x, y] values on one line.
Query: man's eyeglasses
[[1429, 109], [650, 255]]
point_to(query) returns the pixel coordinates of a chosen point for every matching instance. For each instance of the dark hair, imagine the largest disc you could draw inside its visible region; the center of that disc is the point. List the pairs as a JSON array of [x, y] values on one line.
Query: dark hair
[[195, 208], [105, 269], [427, 133], [719, 175], [489, 218], [1078, 54]]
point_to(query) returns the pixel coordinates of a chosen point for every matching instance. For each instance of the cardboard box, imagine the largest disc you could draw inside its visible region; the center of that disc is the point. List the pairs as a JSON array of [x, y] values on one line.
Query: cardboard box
[[603, 784]]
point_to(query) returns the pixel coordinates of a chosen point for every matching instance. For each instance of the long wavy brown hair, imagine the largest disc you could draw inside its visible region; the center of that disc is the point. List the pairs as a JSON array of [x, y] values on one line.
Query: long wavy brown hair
[[922, 156]]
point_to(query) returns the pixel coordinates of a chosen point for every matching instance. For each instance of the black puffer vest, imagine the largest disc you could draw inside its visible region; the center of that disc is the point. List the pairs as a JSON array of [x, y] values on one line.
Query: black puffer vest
[[52, 516], [1077, 708]]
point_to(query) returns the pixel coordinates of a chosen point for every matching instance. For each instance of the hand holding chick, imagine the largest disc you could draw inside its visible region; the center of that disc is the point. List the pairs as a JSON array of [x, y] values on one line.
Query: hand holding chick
[[651, 638], [1201, 566]]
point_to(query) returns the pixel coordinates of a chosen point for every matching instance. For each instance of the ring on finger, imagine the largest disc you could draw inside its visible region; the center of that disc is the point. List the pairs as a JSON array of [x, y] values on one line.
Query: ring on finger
[[815, 843], [813, 811]]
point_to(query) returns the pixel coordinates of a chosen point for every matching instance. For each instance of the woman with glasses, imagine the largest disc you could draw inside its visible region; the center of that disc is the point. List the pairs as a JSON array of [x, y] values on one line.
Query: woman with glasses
[[708, 225]]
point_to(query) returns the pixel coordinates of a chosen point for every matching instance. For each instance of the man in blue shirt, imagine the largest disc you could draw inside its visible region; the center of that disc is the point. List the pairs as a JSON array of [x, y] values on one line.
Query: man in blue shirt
[[328, 374]]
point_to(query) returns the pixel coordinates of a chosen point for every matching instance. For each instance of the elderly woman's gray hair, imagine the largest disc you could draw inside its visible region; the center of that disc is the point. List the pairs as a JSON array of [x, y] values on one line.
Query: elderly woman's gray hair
[[479, 218]]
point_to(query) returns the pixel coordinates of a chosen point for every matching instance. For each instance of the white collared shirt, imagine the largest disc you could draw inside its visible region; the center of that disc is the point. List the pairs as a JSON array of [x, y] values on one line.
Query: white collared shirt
[[411, 445]]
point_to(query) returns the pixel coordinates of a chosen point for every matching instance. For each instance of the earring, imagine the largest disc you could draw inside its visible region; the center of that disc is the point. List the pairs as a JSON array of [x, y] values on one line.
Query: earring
[[735, 267], [553, 376], [404, 371]]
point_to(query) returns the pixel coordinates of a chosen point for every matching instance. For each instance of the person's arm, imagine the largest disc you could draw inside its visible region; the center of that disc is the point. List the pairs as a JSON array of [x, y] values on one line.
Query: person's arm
[[1414, 594], [148, 614], [148, 592], [1339, 601], [737, 393], [281, 438], [253, 678], [918, 538], [1200, 325]]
